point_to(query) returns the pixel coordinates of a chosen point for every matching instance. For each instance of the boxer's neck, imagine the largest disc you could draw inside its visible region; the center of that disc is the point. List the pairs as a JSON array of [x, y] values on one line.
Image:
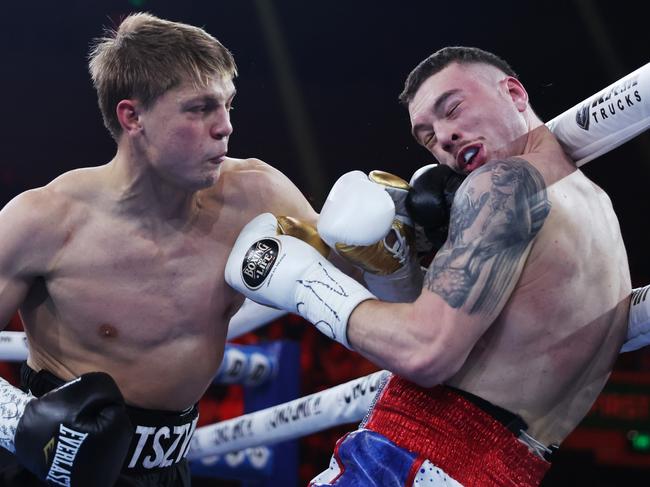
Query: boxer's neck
[[139, 191]]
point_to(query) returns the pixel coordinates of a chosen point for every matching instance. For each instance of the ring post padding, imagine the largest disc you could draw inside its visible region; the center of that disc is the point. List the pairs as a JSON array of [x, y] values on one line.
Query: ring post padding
[[249, 465], [261, 466], [249, 365]]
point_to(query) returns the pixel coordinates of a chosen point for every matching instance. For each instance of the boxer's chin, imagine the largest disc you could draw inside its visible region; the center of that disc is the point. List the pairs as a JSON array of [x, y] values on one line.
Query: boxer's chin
[[209, 178]]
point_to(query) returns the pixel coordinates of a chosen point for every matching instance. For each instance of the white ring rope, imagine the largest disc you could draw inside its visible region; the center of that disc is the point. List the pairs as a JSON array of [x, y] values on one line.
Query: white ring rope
[[13, 346], [604, 121], [342, 404]]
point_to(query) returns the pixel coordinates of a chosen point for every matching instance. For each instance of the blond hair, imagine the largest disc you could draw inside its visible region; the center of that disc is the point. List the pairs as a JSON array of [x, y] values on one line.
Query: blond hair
[[147, 56]]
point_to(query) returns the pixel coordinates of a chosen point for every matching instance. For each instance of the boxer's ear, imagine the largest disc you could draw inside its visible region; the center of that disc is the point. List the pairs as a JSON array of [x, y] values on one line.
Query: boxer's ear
[[128, 115], [517, 93]]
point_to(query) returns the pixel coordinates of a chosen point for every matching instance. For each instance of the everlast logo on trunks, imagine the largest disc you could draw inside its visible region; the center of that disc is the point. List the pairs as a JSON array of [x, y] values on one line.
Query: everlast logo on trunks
[[160, 447], [619, 98], [67, 447], [258, 261]]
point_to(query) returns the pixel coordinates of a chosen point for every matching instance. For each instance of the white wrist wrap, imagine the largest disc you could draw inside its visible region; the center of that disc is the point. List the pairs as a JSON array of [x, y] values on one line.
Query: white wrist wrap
[[326, 297], [638, 327]]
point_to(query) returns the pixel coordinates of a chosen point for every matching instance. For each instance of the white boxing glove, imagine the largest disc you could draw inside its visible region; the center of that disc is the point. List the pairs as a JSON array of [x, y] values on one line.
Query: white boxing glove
[[356, 212], [638, 328], [284, 272], [365, 220]]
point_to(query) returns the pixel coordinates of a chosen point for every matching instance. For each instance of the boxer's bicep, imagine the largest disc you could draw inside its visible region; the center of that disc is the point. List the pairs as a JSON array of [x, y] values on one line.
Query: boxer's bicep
[[12, 293], [17, 221], [280, 196], [496, 214]]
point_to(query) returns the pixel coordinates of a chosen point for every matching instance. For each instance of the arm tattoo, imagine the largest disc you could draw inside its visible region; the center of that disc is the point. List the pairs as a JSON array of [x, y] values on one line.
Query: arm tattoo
[[491, 226], [12, 407]]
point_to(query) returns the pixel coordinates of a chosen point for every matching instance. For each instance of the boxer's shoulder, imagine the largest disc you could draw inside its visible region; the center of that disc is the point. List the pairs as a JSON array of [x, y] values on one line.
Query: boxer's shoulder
[[39, 221], [247, 172], [255, 186], [241, 181], [36, 212], [80, 180]]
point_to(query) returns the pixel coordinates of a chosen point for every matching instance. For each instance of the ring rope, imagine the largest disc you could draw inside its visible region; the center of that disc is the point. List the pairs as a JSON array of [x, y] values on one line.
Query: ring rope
[[607, 119], [342, 404]]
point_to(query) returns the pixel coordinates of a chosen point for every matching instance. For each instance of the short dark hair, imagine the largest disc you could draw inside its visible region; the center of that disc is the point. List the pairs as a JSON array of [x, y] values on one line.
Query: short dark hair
[[443, 58]]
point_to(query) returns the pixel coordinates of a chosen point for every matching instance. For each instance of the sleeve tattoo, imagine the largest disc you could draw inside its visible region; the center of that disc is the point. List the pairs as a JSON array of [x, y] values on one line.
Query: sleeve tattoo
[[496, 213]]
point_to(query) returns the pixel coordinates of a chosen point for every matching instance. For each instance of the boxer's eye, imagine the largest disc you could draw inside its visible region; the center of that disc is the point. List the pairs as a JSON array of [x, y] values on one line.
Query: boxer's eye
[[453, 109], [198, 109], [203, 107], [428, 139]]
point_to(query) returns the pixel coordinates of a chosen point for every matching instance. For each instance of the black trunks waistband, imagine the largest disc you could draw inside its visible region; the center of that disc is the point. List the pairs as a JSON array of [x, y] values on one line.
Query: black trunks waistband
[[160, 438], [510, 420]]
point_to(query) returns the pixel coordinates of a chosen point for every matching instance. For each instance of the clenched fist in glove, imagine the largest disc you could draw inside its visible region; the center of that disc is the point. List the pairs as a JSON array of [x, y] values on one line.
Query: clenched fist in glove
[[287, 273], [76, 435], [365, 220], [429, 202]]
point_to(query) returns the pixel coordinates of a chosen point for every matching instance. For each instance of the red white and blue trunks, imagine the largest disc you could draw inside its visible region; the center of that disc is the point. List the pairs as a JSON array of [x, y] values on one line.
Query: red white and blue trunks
[[435, 437]]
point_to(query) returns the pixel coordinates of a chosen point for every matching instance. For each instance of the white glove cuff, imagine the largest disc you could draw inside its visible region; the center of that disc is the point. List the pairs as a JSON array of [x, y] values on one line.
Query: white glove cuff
[[326, 297]]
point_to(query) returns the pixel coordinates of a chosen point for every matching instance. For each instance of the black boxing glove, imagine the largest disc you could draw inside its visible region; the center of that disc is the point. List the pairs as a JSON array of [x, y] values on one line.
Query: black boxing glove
[[429, 204], [76, 435]]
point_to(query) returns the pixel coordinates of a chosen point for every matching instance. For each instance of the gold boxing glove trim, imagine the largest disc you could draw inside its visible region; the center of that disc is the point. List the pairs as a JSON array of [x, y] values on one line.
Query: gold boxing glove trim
[[376, 258], [288, 225], [388, 179]]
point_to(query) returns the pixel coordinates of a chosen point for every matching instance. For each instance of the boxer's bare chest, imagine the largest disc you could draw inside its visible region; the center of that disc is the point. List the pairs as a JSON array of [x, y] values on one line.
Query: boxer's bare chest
[[123, 278]]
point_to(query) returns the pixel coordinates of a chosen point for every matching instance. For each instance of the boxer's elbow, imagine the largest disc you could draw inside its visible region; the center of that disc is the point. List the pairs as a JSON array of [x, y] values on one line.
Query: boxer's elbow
[[431, 367], [432, 359]]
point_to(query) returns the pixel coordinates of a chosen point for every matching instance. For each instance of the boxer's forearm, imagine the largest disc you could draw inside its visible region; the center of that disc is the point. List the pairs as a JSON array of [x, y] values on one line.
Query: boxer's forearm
[[400, 338]]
